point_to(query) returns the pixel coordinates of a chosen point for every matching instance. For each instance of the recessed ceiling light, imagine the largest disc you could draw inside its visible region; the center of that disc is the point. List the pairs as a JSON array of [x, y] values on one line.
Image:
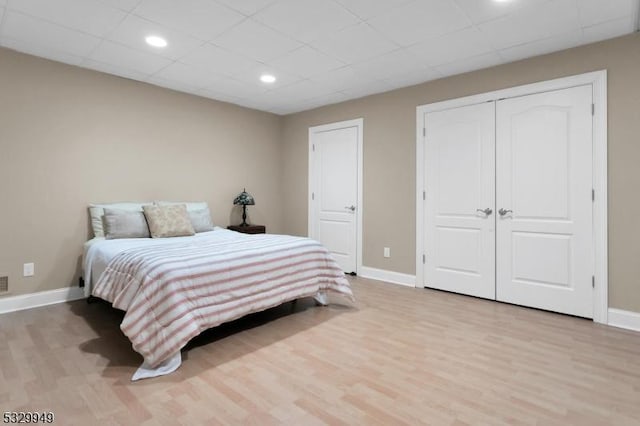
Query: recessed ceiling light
[[267, 78], [156, 41]]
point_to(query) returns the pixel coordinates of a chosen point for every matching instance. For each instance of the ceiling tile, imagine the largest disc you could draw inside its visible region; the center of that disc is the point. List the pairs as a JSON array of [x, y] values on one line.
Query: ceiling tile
[[306, 20], [366, 88], [135, 60], [607, 30], [451, 47], [297, 92], [43, 35], [89, 16], [389, 64], [189, 75], [235, 88], [470, 64], [252, 77], [126, 5], [342, 79], [218, 60], [1, 15], [3, 3], [306, 61], [413, 77], [133, 31], [419, 20], [118, 70], [366, 9], [551, 18], [541, 47], [256, 41], [38, 50], [485, 10], [331, 98], [203, 19], [592, 12], [246, 7], [355, 44]]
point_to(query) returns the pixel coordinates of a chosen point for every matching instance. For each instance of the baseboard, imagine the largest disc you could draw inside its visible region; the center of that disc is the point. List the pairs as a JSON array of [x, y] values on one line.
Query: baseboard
[[624, 319], [42, 298], [388, 276]]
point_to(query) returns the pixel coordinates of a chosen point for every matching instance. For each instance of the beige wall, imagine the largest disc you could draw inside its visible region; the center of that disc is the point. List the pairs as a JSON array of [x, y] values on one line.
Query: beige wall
[[70, 136], [389, 155]]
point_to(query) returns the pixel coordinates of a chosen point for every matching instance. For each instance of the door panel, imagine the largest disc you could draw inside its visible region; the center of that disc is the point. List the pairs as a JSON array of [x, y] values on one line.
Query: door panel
[[539, 137], [541, 258], [459, 180], [336, 190], [543, 182]]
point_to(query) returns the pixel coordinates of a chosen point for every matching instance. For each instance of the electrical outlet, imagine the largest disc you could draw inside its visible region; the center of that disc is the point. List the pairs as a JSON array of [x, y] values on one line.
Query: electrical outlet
[[28, 270], [387, 252]]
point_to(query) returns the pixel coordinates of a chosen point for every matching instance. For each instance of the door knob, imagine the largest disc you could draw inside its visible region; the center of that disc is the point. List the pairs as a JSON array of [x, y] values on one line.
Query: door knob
[[352, 208], [502, 211], [486, 211]]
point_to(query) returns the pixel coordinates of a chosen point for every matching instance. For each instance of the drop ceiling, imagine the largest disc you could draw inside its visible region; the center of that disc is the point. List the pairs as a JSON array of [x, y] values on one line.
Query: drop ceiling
[[320, 51]]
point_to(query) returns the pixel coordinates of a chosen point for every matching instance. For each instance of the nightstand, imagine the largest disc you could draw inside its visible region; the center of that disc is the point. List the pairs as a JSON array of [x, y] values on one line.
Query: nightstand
[[249, 229]]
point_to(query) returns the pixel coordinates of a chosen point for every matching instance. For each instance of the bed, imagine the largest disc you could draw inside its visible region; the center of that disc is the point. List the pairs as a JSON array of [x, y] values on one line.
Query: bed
[[172, 289]]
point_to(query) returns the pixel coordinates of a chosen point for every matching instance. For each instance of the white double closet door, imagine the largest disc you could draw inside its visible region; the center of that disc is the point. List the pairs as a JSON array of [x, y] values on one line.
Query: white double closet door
[[508, 208]]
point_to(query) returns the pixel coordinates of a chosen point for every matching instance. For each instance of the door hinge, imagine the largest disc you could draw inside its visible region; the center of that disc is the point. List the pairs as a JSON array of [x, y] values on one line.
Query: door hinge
[[593, 194], [593, 109], [424, 258], [313, 196], [424, 131], [424, 195], [593, 281], [313, 147]]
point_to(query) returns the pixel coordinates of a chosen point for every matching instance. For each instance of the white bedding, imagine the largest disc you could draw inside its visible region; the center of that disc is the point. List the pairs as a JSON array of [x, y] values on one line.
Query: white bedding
[[174, 288], [98, 252]]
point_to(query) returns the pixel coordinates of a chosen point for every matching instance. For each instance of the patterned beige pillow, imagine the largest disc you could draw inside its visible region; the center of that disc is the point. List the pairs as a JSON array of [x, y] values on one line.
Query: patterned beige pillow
[[168, 221]]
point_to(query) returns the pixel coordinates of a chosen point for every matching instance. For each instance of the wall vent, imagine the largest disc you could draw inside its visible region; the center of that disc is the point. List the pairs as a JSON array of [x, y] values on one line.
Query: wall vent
[[4, 284]]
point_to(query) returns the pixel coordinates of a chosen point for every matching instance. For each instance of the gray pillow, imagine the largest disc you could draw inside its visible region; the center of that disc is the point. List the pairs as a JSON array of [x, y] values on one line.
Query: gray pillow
[[124, 224], [201, 220]]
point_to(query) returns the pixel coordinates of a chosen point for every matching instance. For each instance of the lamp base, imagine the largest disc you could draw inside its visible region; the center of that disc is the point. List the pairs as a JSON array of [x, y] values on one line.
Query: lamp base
[[244, 215]]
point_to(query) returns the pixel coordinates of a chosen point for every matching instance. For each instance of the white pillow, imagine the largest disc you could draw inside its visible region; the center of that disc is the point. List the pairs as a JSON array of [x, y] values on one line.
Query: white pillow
[[201, 220], [96, 211], [124, 224]]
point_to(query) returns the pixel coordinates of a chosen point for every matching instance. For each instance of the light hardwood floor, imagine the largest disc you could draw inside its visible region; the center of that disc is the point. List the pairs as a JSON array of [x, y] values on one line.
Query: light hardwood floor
[[400, 356]]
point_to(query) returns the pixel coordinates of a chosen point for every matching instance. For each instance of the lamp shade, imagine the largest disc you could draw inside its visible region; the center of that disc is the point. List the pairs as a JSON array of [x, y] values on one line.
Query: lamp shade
[[244, 199]]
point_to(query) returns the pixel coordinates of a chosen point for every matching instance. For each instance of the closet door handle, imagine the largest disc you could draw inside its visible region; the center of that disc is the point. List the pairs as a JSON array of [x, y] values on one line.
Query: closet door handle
[[502, 211], [486, 211]]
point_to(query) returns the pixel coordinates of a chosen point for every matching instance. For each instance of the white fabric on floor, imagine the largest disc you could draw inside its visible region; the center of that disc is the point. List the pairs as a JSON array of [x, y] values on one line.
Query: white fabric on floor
[[322, 298], [169, 365]]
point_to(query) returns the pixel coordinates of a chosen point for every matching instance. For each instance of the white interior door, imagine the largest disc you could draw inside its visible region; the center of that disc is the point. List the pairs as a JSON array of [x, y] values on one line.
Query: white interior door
[[544, 200], [459, 209], [334, 178]]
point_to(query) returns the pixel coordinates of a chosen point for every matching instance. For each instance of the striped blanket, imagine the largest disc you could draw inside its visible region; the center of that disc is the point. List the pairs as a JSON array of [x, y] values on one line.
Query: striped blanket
[[174, 291]]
